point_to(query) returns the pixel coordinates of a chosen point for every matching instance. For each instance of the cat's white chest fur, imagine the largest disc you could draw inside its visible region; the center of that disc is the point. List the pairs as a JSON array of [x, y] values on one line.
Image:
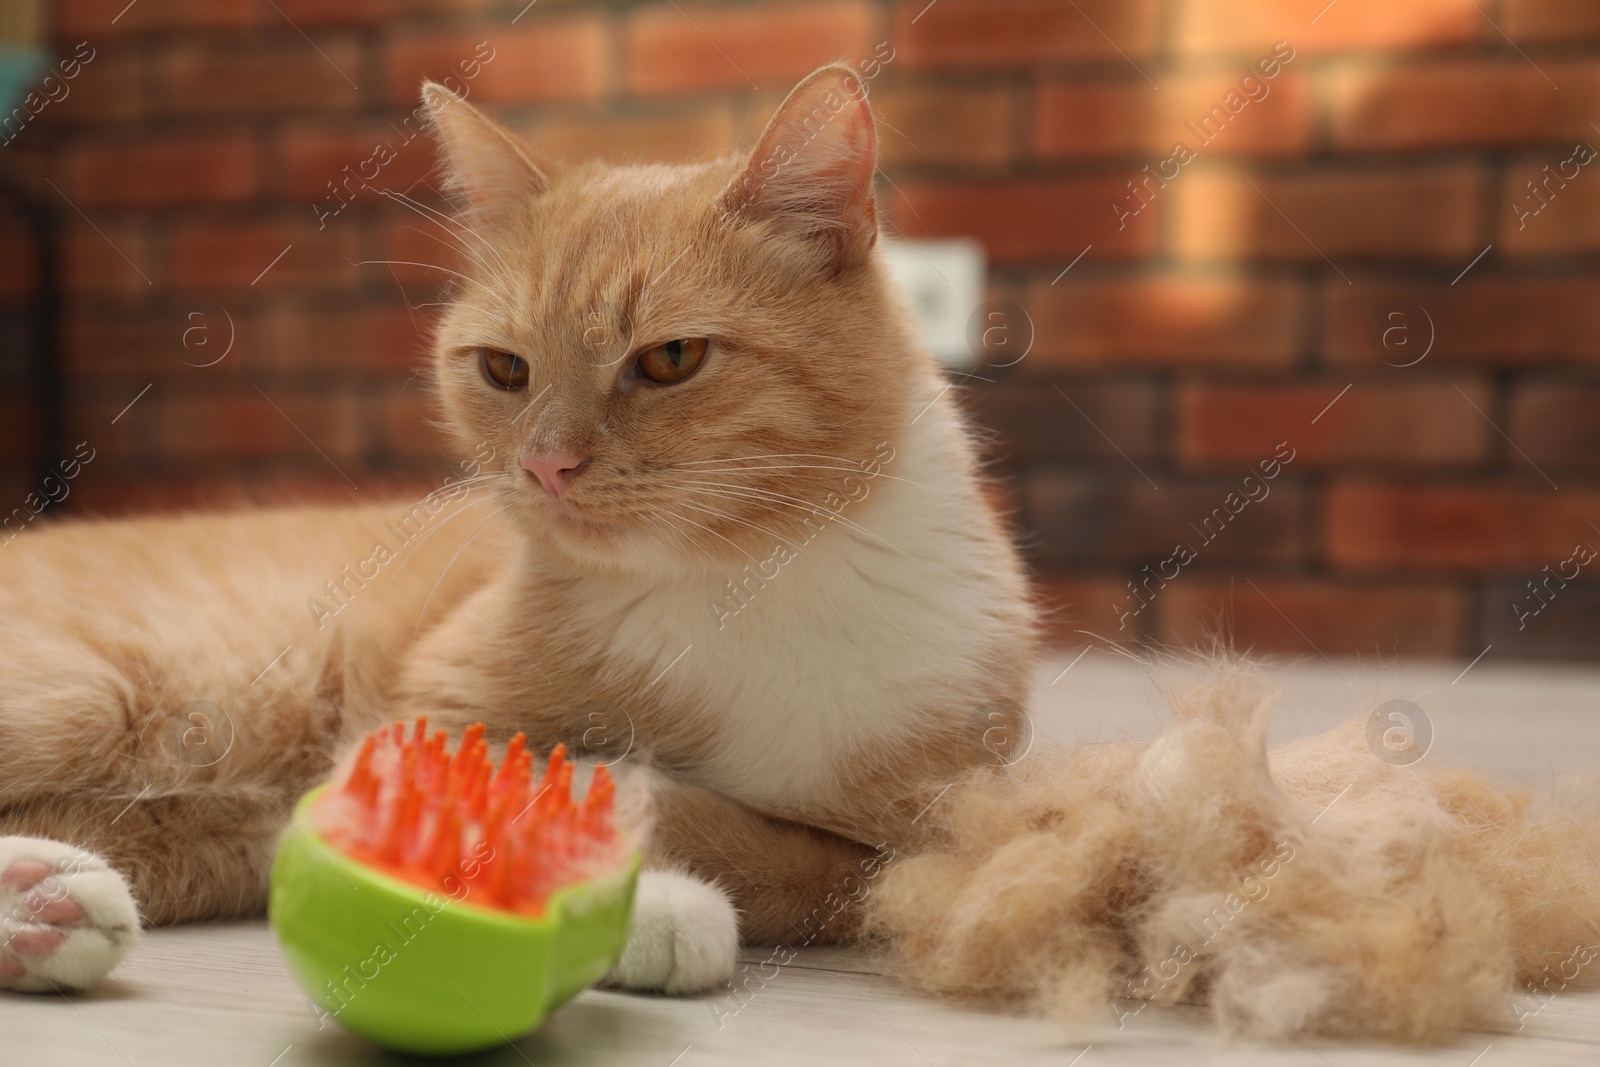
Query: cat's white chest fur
[[864, 635]]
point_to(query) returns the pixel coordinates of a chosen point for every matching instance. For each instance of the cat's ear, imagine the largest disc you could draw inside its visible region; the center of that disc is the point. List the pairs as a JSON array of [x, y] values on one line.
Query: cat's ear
[[812, 170], [484, 161]]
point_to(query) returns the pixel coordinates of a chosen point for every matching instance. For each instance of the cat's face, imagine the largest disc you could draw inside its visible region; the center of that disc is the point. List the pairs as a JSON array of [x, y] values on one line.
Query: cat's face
[[676, 363]]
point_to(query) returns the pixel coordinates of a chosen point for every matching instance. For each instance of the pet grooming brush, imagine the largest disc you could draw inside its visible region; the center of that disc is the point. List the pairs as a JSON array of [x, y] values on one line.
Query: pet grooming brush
[[437, 904]]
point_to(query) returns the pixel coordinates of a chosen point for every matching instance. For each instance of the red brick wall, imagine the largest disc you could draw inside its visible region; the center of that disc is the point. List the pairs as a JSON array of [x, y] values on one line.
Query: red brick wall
[[1243, 305]]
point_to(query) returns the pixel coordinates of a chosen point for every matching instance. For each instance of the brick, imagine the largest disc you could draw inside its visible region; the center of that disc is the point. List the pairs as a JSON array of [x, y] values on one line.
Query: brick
[[109, 87], [1162, 322], [1379, 526], [675, 138], [161, 171], [255, 426], [1074, 119], [30, 168], [1120, 518], [132, 345], [675, 49], [437, 8], [1413, 214], [1409, 424], [247, 78], [336, 12], [927, 125], [93, 262], [16, 334], [1461, 103], [1027, 220], [384, 339], [1252, 26], [1486, 320], [211, 339], [1037, 424], [16, 263], [233, 255], [1555, 621], [314, 154], [1312, 618], [1006, 33], [1557, 423], [76, 18], [1547, 213], [121, 447], [14, 484], [535, 61], [16, 444], [1550, 20], [15, 394]]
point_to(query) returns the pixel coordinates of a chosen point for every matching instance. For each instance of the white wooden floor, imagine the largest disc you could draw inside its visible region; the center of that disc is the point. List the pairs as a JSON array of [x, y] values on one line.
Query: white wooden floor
[[220, 996]]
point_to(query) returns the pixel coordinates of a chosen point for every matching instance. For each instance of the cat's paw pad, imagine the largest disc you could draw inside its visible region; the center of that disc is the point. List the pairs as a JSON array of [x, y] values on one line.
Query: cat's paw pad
[[66, 917], [684, 939]]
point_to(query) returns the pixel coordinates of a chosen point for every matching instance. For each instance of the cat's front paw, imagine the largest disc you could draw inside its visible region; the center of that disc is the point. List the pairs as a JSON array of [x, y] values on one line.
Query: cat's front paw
[[66, 917], [684, 939]]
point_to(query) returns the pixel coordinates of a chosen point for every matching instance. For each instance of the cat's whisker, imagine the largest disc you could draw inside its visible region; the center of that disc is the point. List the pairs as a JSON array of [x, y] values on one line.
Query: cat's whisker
[[762, 496], [474, 532], [768, 455], [451, 484], [684, 537], [742, 551], [431, 531], [425, 266], [455, 237], [786, 542], [493, 274], [401, 509], [482, 476], [811, 467], [730, 489], [447, 222]]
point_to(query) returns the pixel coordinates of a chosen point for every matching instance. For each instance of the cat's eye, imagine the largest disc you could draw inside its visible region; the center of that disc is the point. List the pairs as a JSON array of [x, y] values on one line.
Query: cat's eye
[[673, 361], [504, 369]]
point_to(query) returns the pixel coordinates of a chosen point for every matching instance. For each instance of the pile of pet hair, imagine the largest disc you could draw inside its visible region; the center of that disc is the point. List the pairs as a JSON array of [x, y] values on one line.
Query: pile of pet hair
[[1317, 888]]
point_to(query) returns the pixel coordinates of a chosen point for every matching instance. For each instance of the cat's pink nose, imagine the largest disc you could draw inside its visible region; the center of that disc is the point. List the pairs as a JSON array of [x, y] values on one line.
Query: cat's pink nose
[[554, 469]]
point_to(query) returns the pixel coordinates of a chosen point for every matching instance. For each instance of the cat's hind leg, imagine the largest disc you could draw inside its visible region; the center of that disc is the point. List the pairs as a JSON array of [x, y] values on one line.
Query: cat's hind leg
[[66, 917]]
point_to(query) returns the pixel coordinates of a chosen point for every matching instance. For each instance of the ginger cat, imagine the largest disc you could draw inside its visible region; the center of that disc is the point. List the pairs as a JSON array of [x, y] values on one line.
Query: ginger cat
[[722, 518]]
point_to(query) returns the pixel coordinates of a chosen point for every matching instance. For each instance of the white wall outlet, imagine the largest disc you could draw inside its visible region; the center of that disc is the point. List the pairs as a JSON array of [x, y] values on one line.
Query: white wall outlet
[[943, 284]]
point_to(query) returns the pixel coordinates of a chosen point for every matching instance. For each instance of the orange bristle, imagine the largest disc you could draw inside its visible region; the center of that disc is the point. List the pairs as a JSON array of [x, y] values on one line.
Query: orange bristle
[[508, 766], [361, 772], [454, 822]]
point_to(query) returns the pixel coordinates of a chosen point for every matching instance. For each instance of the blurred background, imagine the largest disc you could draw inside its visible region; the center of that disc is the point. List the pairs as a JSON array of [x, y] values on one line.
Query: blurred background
[[1381, 259]]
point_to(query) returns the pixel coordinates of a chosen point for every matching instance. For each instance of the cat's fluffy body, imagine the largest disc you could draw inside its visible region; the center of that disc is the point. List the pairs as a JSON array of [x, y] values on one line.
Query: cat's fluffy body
[[796, 732]]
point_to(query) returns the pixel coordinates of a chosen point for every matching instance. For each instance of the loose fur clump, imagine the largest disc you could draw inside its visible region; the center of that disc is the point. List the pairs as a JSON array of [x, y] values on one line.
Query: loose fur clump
[[1316, 889]]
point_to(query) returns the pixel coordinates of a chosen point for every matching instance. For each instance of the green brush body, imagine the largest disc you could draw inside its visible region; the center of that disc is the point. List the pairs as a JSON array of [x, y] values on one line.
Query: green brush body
[[477, 905]]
